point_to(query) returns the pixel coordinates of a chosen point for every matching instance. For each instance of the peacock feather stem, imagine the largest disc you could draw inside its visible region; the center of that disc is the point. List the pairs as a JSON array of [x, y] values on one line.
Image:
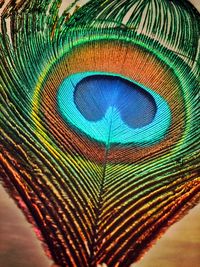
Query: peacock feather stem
[[100, 118]]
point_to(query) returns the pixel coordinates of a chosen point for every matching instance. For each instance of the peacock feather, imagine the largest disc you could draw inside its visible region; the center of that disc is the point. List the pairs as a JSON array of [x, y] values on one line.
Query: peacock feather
[[100, 122]]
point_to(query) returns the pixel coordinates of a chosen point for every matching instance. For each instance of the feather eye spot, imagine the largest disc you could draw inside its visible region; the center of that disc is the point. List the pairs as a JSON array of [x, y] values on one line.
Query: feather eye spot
[[93, 100]]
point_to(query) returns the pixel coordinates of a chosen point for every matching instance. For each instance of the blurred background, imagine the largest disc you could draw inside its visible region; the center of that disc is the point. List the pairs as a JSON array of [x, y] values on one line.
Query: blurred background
[[19, 247]]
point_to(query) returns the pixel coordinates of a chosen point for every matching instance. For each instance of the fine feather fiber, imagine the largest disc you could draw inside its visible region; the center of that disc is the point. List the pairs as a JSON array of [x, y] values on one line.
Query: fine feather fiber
[[100, 118]]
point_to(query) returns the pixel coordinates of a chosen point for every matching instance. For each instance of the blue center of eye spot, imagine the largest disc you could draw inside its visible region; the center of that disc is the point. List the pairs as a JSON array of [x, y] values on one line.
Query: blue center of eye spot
[[111, 108], [95, 94]]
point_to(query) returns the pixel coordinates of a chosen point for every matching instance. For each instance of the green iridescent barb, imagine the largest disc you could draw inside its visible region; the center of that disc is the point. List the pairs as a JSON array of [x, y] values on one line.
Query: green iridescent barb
[[100, 118]]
